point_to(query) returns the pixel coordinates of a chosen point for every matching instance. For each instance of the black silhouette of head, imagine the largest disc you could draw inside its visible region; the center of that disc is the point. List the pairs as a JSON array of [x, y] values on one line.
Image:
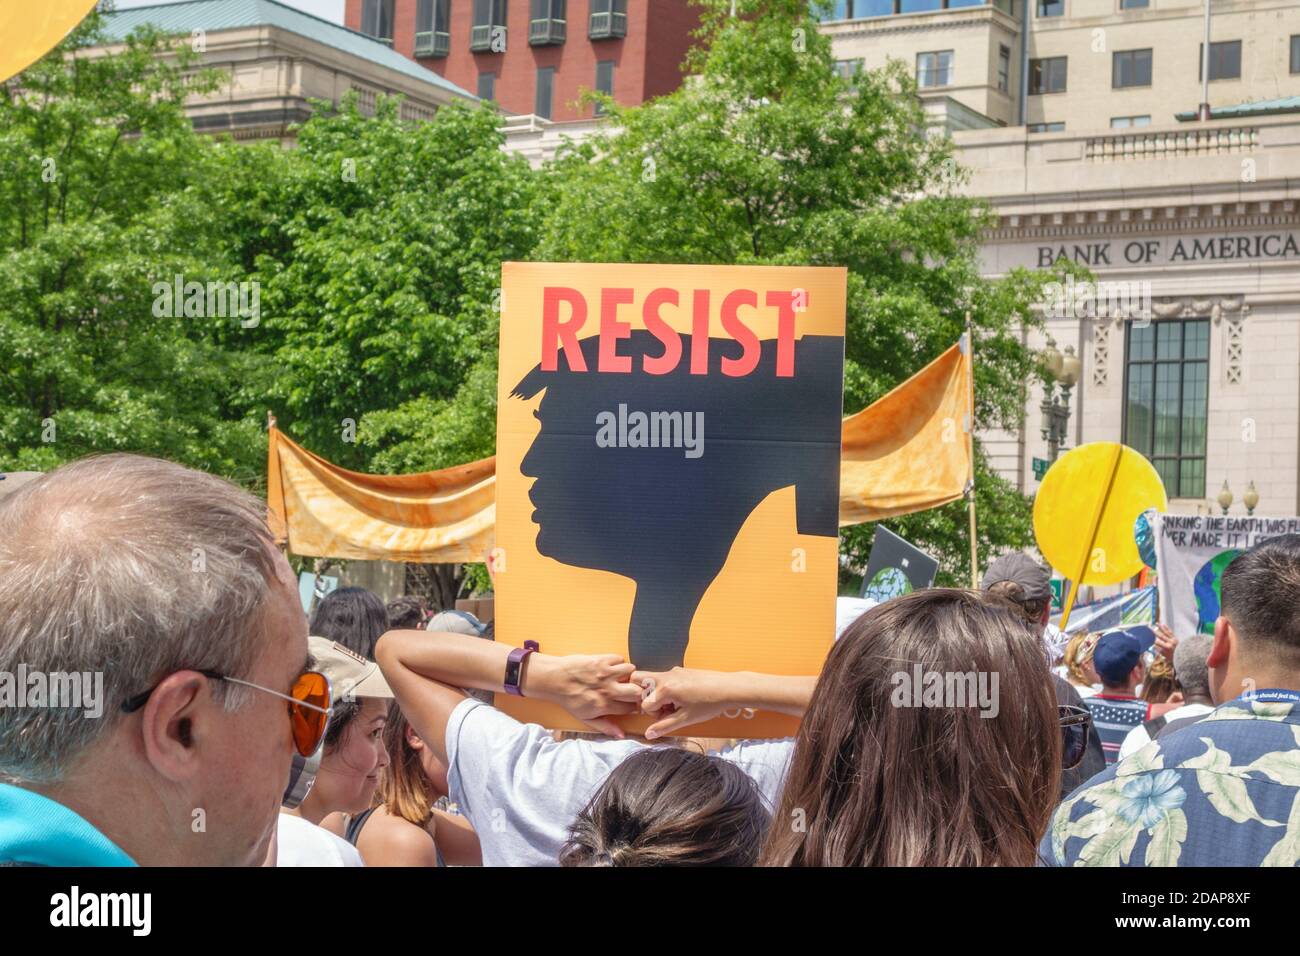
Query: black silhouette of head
[[654, 514]]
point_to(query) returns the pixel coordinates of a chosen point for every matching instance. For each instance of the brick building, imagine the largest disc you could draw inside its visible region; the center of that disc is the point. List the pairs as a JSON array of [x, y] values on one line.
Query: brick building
[[537, 56]]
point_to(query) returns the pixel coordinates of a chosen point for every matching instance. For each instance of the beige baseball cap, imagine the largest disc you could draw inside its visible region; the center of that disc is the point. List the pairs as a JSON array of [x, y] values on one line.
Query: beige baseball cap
[[350, 674]]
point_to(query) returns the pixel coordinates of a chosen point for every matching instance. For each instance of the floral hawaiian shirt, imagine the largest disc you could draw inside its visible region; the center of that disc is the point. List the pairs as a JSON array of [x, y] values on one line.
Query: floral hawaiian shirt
[[1224, 791]]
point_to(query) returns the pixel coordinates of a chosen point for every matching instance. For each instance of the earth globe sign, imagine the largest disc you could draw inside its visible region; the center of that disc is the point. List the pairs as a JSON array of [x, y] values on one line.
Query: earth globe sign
[[1206, 588], [887, 583]]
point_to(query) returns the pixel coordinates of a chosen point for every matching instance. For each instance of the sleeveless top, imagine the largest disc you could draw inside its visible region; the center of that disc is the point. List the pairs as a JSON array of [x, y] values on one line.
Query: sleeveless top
[[353, 831]]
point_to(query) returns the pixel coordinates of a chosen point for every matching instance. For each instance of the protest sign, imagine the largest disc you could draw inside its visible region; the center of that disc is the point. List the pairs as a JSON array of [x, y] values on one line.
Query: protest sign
[[1135, 607], [1192, 551], [1085, 512], [896, 567], [668, 448]]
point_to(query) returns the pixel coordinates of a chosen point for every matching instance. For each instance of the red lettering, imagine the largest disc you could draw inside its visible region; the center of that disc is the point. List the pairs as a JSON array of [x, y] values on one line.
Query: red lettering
[[734, 326], [700, 334], [611, 330], [557, 334], [784, 302], [662, 331]]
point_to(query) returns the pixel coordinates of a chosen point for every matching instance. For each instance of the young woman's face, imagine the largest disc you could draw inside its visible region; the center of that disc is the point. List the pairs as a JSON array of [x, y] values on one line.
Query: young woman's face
[[349, 773]]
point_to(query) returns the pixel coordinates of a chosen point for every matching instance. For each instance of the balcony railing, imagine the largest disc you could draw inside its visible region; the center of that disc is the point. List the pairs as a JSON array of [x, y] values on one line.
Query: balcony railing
[[480, 37], [607, 26], [546, 32], [432, 44], [1171, 144]]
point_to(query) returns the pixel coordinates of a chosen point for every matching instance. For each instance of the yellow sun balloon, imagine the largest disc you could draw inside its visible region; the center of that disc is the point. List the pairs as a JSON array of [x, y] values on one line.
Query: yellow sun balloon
[[1085, 511], [29, 29]]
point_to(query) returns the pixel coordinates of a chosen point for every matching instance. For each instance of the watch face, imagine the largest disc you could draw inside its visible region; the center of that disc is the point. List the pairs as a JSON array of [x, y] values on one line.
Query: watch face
[[512, 672]]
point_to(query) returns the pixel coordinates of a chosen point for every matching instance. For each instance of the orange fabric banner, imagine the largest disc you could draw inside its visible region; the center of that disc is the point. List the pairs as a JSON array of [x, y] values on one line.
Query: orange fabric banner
[[434, 517], [911, 449], [906, 452]]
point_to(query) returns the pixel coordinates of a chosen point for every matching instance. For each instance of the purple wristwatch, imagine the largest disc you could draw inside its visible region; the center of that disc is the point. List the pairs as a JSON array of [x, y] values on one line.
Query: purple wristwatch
[[515, 666]]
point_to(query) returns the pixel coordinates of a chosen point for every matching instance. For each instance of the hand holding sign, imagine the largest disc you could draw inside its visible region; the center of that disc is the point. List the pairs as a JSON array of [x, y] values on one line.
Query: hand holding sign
[[1085, 510]]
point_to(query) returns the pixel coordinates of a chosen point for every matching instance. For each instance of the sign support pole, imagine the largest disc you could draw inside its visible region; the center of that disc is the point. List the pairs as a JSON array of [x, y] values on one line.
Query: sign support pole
[[970, 448]]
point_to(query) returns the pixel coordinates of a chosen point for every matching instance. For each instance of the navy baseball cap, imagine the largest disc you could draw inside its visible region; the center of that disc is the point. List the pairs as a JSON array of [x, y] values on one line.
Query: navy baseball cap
[[1116, 654]]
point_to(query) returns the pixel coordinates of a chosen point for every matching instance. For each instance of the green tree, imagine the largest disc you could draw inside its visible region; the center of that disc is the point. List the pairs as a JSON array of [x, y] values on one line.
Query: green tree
[[768, 156], [97, 159], [377, 245]]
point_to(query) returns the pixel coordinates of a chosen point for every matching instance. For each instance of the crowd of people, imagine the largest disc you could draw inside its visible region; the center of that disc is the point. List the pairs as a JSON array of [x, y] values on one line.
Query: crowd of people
[[237, 731]]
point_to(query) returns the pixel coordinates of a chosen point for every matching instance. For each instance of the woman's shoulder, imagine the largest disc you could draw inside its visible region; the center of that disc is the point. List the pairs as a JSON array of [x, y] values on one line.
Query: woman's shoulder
[[390, 840]]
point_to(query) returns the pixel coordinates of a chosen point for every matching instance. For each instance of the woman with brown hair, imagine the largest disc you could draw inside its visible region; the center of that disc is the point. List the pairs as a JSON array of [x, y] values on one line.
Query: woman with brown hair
[[669, 806], [884, 774], [404, 827]]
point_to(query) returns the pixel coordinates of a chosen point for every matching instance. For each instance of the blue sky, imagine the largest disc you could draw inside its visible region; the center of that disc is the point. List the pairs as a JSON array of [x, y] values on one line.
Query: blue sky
[[326, 9]]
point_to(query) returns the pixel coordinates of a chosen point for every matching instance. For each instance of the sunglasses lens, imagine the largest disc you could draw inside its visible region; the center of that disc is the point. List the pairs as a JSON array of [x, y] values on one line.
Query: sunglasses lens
[[309, 724]]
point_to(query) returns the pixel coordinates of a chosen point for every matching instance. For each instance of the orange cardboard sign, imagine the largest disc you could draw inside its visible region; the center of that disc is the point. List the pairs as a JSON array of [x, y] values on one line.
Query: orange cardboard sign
[[668, 448]]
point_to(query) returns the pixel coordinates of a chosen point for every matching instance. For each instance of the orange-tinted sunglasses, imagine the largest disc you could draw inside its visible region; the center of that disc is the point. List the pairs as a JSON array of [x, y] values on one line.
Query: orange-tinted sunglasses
[[309, 706]]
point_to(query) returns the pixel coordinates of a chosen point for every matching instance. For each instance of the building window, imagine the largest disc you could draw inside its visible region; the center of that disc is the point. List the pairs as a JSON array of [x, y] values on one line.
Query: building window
[[489, 31], [934, 69], [608, 20], [1134, 4], [432, 28], [1047, 75], [1004, 68], [547, 25], [1051, 8], [604, 82], [1225, 60], [848, 70], [1166, 404], [832, 10], [1124, 122], [1131, 68], [487, 86], [377, 20], [1046, 127], [545, 91], [1295, 54]]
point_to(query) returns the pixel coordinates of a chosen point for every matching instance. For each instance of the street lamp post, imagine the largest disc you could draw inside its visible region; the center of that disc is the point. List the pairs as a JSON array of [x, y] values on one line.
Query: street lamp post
[[1250, 499], [1225, 497], [1062, 370]]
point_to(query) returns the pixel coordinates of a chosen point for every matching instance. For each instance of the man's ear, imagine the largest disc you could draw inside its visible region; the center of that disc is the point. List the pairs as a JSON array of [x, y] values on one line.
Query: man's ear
[[175, 718], [1224, 636]]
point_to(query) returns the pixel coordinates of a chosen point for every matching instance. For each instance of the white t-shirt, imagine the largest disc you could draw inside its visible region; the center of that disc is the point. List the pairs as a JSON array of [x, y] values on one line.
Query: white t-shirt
[[520, 788], [300, 842], [1138, 737]]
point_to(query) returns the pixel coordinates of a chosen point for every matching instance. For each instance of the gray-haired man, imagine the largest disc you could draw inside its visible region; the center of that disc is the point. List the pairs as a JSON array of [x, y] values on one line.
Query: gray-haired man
[[161, 590]]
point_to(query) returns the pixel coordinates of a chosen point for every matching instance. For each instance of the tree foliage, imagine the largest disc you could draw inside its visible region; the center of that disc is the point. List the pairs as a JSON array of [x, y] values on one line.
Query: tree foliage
[[375, 246]]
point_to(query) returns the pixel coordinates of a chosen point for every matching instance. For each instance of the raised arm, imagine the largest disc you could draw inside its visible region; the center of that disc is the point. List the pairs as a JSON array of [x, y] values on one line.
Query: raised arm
[[684, 696], [426, 670]]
